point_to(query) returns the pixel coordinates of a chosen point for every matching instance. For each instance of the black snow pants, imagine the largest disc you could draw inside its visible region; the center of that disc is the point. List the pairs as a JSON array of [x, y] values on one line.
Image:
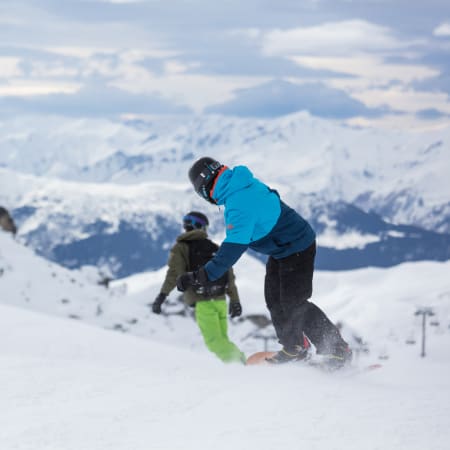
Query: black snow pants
[[287, 288]]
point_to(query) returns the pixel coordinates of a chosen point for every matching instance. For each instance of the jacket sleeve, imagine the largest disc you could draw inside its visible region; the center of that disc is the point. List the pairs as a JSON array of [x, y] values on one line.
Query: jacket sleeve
[[177, 265], [224, 259], [239, 224], [232, 290]]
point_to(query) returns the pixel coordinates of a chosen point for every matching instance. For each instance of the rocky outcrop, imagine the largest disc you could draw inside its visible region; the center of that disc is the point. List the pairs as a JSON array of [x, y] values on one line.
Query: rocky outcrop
[[6, 221]]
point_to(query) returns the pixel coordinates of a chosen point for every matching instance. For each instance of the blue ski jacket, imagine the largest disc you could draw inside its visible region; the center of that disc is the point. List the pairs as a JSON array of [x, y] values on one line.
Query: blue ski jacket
[[256, 218]]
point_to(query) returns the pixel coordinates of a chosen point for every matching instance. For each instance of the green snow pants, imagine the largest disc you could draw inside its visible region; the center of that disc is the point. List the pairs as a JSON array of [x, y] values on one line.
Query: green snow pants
[[211, 317]]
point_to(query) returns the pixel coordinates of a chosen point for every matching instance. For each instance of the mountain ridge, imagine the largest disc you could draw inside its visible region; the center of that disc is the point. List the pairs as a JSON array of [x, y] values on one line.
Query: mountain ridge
[[73, 185]]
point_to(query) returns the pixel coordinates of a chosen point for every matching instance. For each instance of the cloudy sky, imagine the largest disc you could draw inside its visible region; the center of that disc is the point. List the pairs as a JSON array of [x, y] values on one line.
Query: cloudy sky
[[376, 62]]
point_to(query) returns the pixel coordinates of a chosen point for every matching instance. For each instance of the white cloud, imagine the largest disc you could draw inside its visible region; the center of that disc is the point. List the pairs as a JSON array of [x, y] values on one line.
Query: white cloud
[[377, 83], [44, 69], [407, 100], [369, 68], [196, 91], [24, 88], [173, 67], [142, 53], [442, 30], [134, 54], [344, 38], [78, 52], [9, 67], [121, 69], [82, 62]]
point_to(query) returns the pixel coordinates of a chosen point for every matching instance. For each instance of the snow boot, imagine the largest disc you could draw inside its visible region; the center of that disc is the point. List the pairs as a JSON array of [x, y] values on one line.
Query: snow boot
[[286, 356], [340, 358]]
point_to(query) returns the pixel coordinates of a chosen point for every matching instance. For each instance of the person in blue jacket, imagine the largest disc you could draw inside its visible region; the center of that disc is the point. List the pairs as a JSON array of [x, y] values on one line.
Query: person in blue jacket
[[256, 218]]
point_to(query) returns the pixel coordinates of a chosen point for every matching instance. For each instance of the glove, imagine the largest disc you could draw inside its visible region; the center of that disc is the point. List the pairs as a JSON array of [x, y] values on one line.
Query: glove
[[188, 279], [235, 309], [185, 280], [156, 306]]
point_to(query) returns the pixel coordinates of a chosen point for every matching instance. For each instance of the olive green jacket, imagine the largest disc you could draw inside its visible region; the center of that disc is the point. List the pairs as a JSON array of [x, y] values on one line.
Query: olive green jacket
[[179, 263]]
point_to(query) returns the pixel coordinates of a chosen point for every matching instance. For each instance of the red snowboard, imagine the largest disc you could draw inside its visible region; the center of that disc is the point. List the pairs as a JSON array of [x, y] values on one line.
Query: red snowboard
[[259, 358]]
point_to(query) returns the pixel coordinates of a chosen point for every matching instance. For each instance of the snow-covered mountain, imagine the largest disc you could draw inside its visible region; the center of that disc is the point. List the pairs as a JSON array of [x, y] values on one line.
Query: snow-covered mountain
[[129, 229], [113, 193], [401, 175]]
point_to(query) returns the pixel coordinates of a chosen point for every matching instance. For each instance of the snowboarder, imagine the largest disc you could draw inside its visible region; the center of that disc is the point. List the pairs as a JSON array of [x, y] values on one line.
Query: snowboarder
[[256, 218], [191, 251]]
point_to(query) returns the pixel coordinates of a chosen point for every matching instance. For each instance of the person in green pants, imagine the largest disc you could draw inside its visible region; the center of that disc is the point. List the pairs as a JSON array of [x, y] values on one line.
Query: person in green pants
[[191, 251]]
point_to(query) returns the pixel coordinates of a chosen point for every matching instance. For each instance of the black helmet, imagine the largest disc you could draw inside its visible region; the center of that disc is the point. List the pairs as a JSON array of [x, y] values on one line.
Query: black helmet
[[202, 175], [195, 220]]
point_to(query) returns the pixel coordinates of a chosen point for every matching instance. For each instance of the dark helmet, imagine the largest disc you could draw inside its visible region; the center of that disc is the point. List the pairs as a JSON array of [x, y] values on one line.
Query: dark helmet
[[202, 175], [195, 220]]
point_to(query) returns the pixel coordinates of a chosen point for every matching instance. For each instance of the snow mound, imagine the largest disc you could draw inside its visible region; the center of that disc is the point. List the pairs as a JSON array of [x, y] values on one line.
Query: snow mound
[[71, 386]]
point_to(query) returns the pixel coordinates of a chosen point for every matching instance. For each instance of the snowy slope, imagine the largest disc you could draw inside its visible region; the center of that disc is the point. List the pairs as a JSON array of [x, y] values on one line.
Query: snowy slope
[[67, 384], [70, 386], [29, 281]]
